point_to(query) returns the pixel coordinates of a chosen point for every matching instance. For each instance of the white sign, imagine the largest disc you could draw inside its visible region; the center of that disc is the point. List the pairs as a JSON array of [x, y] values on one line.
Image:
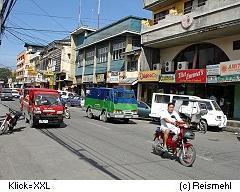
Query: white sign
[[87, 79], [213, 69], [113, 79], [212, 79]]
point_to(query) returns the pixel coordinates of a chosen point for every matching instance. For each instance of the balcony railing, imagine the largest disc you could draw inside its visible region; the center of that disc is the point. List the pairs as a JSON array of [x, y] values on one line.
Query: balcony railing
[[149, 4]]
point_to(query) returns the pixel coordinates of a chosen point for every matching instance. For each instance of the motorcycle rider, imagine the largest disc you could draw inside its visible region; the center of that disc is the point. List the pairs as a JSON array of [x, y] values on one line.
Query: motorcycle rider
[[169, 119]]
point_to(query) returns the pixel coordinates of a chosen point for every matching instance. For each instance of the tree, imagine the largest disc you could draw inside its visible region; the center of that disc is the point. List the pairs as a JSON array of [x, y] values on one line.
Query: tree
[[5, 73]]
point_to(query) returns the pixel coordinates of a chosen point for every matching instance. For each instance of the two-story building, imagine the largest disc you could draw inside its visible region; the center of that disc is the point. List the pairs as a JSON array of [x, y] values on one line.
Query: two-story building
[[199, 48], [109, 56]]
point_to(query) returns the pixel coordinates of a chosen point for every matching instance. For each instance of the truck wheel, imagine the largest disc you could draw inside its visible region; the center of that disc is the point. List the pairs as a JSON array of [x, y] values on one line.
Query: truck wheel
[[202, 127], [89, 113], [104, 116]]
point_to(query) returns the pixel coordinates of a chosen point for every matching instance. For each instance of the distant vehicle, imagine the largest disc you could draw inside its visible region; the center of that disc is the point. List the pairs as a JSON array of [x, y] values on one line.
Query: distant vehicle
[[143, 109], [106, 103], [42, 106], [161, 100], [74, 101], [15, 93], [6, 94]]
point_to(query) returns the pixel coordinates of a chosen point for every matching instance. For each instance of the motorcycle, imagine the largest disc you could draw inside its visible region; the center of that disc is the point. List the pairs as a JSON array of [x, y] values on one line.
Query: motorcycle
[[179, 147], [10, 121]]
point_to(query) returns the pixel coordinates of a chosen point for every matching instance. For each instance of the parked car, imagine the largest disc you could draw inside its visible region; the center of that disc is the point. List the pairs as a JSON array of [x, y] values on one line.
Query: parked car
[[74, 101], [143, 109], [6, 94]]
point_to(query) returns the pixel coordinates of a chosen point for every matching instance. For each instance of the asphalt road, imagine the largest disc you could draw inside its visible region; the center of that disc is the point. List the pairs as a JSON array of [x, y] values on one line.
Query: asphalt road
[[90, 149]]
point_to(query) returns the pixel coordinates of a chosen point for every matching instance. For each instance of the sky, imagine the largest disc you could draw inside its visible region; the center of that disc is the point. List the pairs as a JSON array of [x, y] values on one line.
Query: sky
[[58, 18]]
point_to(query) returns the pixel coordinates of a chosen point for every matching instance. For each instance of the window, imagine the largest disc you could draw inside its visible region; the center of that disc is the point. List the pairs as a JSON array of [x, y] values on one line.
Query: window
[[188, 7], [90, 57], [80, 59], [142, 105], [132, 63], [162, 99], [118, 50], [160, 16], [185, 100], [236, 45], [201, 2], [102, 55]]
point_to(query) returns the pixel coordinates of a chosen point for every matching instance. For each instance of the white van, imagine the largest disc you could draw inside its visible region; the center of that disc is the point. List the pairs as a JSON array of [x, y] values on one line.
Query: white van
[[161, 100], [215, 116]]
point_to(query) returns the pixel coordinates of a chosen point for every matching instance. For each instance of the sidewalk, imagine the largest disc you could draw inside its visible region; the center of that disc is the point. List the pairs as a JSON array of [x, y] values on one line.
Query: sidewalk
[[233, 126]]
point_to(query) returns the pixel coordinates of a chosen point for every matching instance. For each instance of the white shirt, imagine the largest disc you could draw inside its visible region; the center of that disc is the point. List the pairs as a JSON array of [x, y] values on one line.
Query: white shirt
[[174, 116]]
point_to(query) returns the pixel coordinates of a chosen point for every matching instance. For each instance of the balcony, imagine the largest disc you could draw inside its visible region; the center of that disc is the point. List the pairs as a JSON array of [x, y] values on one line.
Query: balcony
[[153, 4], [209, 21], [20, 69]]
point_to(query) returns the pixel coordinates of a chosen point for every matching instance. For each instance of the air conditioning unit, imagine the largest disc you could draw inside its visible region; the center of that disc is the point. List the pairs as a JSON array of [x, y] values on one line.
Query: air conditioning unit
[[156, 66], [182, 65], [169, 66]]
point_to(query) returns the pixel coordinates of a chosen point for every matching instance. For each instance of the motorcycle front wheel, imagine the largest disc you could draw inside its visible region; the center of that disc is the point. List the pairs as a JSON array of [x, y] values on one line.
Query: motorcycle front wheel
[[188, 159], [202, 127], [3, 127], [67, 114]]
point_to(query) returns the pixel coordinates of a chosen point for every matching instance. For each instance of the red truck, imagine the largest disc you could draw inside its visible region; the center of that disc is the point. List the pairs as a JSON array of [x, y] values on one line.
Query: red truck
[[42, 106]]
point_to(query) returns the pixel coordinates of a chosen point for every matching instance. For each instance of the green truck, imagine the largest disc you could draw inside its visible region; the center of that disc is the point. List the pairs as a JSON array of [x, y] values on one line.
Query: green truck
[[111, 103]]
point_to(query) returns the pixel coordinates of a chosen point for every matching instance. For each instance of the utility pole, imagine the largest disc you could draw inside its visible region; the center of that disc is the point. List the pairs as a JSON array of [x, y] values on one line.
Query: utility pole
[[99, 6], [1, 5], [80, 13]]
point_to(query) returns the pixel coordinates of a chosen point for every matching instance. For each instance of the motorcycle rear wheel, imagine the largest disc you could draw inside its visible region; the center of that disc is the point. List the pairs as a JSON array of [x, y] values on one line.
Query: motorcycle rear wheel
[[189, 158], [3, 127], [202, 127], [157, 146]]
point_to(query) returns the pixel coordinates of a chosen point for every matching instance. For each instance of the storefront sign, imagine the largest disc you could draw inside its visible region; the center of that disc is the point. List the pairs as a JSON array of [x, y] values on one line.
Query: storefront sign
[[230, 68], [213, 69], [228, 78], [212, 79], [191, 76], [87, 79], [100, 78], [148, 76], [167, 78], [113, 77]]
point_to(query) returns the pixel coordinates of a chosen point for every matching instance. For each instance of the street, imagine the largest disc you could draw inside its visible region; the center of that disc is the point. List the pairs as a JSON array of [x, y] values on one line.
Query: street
[[91, 149]]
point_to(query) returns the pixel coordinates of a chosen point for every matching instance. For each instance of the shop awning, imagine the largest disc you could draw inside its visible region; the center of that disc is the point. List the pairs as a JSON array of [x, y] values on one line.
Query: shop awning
[[129, 81], [117, 65]]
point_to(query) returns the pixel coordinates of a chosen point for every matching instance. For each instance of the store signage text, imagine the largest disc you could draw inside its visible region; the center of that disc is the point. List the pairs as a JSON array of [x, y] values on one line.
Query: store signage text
[[100, 78], [113, 77], [230, 68], [149, 75], [212, 79], [167, 78], [88, 78], [228, 78], [213, 69], [191, 76]]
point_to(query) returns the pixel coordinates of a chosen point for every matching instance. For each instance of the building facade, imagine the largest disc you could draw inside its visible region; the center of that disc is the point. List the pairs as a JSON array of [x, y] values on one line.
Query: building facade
[[109, 56], [54, 65], [20, 70], [199, 45]]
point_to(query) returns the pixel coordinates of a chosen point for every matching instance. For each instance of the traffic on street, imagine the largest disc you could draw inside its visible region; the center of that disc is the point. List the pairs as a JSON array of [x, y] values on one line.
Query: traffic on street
[[84, 148]]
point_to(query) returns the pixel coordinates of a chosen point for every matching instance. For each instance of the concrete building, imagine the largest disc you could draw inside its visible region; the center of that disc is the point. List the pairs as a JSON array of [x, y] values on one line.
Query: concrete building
[[55, 64], [110, 56], [198, 46], [20, 70]]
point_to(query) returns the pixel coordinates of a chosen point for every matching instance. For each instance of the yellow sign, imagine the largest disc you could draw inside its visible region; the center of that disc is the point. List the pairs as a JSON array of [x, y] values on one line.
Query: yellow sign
[[149, 76], [167, 78], [48, 73]]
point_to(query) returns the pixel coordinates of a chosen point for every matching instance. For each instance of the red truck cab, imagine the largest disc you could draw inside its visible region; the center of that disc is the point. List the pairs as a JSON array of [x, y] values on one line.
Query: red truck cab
[[42, 106]]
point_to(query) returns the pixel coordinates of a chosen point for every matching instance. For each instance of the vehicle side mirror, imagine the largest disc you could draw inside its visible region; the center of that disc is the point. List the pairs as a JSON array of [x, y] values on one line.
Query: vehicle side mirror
[[203, 111]]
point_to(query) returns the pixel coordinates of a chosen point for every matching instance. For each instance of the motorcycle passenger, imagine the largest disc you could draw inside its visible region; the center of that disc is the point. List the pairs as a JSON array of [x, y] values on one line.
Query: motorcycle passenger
[[169, 118]]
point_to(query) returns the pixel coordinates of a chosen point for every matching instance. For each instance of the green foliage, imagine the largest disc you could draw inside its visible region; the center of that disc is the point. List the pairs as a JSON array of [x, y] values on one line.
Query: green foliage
[[5, 73]]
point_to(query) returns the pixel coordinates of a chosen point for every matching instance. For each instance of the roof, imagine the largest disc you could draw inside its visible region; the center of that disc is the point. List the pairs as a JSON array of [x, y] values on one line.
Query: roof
[[41, 90], [33, 45], [82, 29]]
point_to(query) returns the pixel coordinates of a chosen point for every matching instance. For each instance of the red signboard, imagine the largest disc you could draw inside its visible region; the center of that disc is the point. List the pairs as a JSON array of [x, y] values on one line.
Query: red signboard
[[191, 76]]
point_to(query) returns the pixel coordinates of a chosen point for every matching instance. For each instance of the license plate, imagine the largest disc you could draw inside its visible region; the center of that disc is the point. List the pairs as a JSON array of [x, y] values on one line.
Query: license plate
[[6, 97], [43, 121], [128, 116]]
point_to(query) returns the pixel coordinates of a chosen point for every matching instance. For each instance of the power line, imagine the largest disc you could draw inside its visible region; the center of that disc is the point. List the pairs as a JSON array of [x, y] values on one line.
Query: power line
[[40, 30], [49, 15]]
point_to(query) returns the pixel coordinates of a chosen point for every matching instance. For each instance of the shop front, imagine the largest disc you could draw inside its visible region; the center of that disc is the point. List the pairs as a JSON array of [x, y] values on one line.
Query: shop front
[[113, 79], [148, 83], [129, 80], [100, 80], [87, 82]]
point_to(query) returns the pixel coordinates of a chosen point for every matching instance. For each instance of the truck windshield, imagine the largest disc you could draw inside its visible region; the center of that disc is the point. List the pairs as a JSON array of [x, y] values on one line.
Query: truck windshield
[[124, 94], [46, 99]]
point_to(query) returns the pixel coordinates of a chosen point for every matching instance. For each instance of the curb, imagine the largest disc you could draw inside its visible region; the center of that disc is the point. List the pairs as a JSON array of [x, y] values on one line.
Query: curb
[[232, 129]]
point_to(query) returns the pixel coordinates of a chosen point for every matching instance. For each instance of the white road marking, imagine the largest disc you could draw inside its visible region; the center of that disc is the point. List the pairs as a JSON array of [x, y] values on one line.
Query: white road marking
[[204, 158], [99, 125]]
